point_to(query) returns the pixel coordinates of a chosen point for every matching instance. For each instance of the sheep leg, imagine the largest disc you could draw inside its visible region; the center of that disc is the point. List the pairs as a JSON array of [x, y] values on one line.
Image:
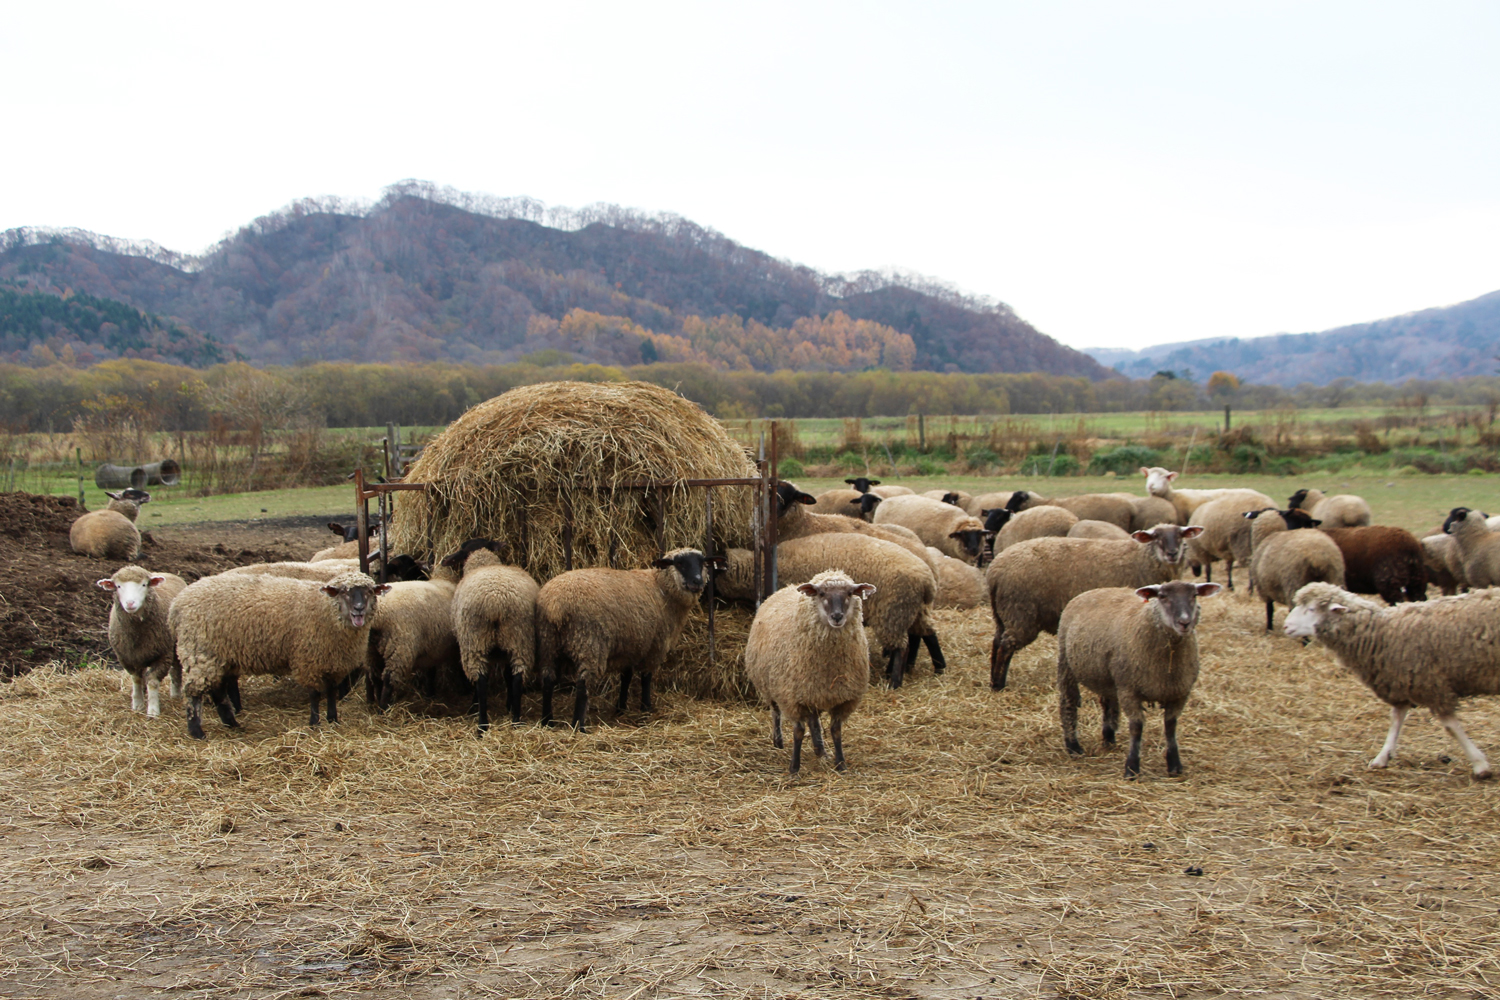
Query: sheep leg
[[1229, 572], [513, 694], [1109, 707], [1170, 712], [1067, 708], [482, 699], [836, 730], [1398, 717], [581, 702], [232, 688], [333, 692], [313, 718], [548, 685], [798, 728], [221, 705], [776, 740], [913, 647], [936, 652], [895, 665], [1001, 651], [1476, 756], [195, 716], [1137, 717], [1270, 609], [815, 730], [153, 697], [646, 703], [176, 674], [137, 693], [625, 674]]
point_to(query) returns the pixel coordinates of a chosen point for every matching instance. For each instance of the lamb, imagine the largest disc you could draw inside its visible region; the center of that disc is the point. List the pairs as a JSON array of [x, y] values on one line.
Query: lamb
[[1032, 582], [223, 626], [1478, 546], [943, 526], [1226, 533], [1287, 561], [411, 638], [494, 620], [605, 619], [1130, 653], [896, 618], [138, 632], [807, 654], [1343, 511], [1426, 655], [1097, 529], [110, 533], [1039, 522], [959, 585], [1382, 560], [842, 502]]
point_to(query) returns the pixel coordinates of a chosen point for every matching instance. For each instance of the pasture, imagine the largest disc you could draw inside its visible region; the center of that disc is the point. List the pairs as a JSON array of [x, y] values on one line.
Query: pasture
[[963, 854]]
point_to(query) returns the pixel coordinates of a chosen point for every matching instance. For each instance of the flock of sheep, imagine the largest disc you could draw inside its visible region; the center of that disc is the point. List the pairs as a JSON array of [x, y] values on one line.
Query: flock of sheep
[[861, 569]]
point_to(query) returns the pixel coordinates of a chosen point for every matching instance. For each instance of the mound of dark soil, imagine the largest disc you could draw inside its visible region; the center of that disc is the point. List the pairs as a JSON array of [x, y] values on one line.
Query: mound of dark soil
[[50, 608]]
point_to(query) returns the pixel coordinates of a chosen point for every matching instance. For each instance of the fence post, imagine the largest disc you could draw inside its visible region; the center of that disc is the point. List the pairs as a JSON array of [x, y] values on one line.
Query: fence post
[[80, 477], [922, 433], [1226, 418]]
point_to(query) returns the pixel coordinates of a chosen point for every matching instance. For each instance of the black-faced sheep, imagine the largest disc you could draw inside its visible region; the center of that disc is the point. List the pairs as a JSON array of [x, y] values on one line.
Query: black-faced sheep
[[1342, 511], [807, 654], [942, 526], [793, 522], [1445, 568], [494, 619], [603, 620], [230, 625], [1032, 582], [1131, 647], [138, 632], [843, 502], [1478, 547], [411, 640], [1421, 655], [1286, 561]]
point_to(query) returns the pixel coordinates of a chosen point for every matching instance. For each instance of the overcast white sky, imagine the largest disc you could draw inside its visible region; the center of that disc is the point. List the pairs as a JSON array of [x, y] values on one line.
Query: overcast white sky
[[1121, 174]]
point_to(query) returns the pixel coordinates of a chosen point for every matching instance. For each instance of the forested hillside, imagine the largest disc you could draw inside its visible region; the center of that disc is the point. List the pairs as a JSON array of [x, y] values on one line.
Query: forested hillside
[[429, 275], [1448, 342], [102, 328]]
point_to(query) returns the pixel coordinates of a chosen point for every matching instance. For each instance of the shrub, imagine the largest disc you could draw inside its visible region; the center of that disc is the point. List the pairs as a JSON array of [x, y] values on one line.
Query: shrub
[[928, 465], [790, 467], [1124, 460], [1045, 465]]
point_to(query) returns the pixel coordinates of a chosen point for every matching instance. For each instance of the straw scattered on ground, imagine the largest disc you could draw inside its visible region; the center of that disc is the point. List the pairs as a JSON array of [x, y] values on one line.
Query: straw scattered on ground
[[964, 854]]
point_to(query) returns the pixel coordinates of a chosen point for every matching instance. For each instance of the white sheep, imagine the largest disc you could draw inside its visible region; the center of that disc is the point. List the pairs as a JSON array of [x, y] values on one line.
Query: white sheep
[[603, 620], [1342, 511], [1131, 647], [943, 526], [411, 639], [1159, 483], [230, 625], [1426, 654], [1044, 521], [494, 618], [110, 533], [959, 585], [1226, 532], [1478, 546], [139, 635], [1097, 529], [807, 654]]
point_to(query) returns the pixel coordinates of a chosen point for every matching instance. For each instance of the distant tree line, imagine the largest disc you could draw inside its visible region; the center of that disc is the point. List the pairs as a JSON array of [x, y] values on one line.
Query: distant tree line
[[170, 397]]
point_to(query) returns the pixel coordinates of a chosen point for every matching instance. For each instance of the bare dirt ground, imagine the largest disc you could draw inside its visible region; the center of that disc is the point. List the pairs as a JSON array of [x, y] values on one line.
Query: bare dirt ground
[[963, 854]]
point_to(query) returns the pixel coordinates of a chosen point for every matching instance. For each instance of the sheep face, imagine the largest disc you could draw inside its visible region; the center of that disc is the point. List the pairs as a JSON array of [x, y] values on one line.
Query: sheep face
[[131, 494], [406, 568], [350, 532], [1017, 501], [971, 539], [867, 503], [837, 600], [1177, 602], [1158, 480], [1166, 541], [1297, 499], [457, 559], [1458, 514], [862, 484], [951, 498], [1303, 620], [130, 594], [355, 600], [689, 565], [995, 518], [1296, 518], [787, 494]]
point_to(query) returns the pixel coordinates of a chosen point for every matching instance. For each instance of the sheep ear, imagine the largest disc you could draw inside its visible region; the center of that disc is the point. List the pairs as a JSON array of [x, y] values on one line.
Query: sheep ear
[[331, 591], [1337, 609], [662, 563], [385, 588], [112, 496], [956, 534], [863, 590], [849, 481], [155, 581], [1208, 589], [804, 498], [336, 528], [1172, 475], [722, 562], [1146, 593], [1313, 524], [1192, 531], [1144, 537], [807, 590], [106, 584], [1145, 471], [874, 482]]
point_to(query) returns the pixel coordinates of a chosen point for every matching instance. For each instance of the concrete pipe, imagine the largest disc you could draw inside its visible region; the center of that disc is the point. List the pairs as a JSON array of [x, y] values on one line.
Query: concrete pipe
[[118, 477]]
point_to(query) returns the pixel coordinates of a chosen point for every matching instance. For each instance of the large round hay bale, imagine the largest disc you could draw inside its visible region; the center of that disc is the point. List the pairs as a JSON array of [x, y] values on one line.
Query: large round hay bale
[[520, 466]]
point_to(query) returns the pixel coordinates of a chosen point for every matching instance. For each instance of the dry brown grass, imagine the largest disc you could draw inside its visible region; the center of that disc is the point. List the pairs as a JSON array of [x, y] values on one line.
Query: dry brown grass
[[962, 855], [512, 467]]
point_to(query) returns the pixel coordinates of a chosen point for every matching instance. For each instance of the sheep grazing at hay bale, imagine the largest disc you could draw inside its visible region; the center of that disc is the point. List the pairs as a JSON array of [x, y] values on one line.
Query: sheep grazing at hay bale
[[512, 468]]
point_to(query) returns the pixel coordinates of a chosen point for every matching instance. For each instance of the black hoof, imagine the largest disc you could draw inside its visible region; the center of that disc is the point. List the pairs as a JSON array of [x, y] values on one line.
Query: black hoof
[[1074, 747]]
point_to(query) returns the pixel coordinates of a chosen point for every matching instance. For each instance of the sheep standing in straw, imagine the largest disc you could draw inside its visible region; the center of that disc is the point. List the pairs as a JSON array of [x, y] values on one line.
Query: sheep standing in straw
[[138, 632], [807, 654], [494, 617], [1426, 654], [1130, 654], [230, 625], [604, 620]]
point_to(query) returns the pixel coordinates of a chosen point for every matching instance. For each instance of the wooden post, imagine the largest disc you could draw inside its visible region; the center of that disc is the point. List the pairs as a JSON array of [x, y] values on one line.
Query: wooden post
[[771, 587], [362, 519], [922, 433], [80, 477], [1226, 418], [708, 551], [392, 452]]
